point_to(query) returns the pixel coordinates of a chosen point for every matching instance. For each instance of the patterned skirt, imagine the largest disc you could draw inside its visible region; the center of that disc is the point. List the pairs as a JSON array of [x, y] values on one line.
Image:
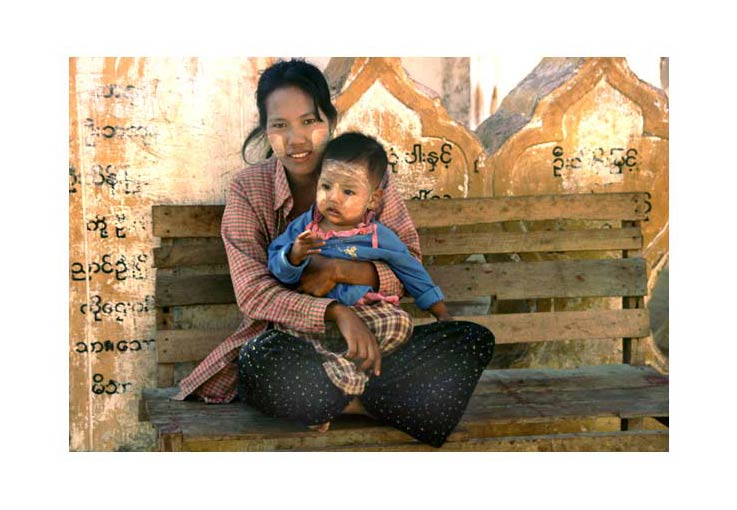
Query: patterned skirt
[[423, 390]]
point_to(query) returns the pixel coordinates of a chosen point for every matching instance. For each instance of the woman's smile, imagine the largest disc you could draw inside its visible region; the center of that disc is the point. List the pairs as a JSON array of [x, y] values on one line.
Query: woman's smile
[[300, 156]]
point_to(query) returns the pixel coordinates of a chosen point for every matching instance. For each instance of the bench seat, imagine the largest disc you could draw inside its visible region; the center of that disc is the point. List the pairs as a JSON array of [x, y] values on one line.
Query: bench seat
[[544, 409], [557, 268]]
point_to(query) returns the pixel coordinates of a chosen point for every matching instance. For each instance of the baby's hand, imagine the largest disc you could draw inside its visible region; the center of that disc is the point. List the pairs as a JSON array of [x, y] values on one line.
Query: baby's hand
[[307, 243]]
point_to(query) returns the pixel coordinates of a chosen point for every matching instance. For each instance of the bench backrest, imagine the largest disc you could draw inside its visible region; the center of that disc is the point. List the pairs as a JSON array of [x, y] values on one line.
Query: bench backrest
[[505, 249]]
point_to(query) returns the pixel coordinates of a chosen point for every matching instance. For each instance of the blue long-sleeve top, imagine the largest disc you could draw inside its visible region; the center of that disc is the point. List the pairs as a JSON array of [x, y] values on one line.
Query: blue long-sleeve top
[[373, 241]]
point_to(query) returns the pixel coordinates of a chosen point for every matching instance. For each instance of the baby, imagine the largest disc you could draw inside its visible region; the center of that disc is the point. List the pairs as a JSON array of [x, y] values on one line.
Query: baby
[[341, 225], [348, 191]]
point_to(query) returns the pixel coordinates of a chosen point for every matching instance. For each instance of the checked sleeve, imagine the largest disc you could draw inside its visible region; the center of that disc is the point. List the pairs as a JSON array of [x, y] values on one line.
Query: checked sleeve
[[259, 295]]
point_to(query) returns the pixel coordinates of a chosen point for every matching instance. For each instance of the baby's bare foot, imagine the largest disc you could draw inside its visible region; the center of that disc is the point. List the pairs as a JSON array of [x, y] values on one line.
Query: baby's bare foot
[[320, 428]]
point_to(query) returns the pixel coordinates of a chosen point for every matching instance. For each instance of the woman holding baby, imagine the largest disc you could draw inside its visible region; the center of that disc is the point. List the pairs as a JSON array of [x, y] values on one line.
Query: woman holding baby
[[334, 341]]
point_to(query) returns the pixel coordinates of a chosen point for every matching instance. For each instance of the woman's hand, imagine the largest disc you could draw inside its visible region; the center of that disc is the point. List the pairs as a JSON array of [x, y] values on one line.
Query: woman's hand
[[319, 277], [323, 273], [362, 344]]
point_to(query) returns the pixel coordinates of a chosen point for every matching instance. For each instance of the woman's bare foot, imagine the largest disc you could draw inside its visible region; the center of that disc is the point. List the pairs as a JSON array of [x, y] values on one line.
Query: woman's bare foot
[[320, 428], [355, 406]]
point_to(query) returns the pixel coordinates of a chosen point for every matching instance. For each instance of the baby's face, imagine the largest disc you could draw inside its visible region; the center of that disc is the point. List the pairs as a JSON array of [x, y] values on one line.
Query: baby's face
[[344, 193]]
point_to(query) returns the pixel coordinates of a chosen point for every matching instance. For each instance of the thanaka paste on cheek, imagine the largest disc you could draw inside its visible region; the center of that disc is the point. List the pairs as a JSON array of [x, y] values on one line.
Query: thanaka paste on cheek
[[319, 137], [277, 145], [322, 195]]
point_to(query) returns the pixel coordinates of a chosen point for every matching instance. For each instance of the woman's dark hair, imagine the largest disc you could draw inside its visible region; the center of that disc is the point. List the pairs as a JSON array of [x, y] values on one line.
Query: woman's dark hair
[[355, 147], [290, 73]]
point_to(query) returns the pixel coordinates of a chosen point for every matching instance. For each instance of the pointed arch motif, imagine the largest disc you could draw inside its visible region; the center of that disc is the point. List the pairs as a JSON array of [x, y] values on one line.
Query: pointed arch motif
[[428, 150]]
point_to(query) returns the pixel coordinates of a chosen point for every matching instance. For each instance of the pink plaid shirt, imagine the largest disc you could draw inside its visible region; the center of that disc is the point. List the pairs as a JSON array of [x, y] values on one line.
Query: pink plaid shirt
[[256, 213]]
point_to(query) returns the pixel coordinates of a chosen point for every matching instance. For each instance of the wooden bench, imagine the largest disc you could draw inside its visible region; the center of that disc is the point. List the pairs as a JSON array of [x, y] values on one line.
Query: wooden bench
[[519, 265]]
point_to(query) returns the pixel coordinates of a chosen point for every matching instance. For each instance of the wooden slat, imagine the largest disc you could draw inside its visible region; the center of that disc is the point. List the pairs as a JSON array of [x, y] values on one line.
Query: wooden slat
[[557, 326], [524, 280], [529, 380], [452, 243], [218, 316], [470, 211], [630, 403], [187, 220], [175, 346], [541, 403], [194, 290], [190, 255], [179, 345], [634, 441], [204, 220], [446, 243], [547, 279]]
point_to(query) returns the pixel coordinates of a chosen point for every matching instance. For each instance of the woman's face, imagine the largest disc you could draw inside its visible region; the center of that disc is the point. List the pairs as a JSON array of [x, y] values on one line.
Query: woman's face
[[294, 132]]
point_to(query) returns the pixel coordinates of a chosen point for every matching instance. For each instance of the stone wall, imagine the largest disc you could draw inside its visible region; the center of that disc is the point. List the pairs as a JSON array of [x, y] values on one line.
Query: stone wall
[[147, 131]]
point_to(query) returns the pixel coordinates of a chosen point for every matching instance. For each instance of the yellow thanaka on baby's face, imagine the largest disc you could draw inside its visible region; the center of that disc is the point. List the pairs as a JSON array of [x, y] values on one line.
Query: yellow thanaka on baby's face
[[344, 193]]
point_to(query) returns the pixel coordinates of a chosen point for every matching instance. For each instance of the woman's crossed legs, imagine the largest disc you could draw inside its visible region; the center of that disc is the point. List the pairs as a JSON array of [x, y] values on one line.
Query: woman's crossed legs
[[423, 389]]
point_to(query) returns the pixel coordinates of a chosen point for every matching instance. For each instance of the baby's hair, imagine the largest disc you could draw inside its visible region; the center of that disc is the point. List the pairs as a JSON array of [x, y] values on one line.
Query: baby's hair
[[359, 148]]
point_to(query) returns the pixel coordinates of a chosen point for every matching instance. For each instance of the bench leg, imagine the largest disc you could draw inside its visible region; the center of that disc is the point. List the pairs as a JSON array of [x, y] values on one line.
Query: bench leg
[[170, 441]]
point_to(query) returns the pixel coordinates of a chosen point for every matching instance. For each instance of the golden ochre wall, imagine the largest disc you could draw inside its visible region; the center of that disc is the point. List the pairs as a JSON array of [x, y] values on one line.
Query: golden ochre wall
[[142, 131], [147, 131]]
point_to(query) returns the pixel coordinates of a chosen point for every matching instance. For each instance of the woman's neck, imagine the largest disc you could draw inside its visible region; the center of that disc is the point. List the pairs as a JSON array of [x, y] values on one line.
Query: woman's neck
[[298, 184], [303, 189]]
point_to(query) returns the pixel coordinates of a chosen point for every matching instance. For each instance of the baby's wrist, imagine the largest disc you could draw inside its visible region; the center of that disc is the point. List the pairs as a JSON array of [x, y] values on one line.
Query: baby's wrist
[[294, 258]]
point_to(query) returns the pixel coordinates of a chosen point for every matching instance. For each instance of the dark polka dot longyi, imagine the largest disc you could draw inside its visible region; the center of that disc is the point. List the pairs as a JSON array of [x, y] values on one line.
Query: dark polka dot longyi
[[423, 390]]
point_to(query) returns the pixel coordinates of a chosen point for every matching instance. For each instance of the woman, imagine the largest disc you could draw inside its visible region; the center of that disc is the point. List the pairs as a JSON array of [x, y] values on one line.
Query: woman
[[423, 387]]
